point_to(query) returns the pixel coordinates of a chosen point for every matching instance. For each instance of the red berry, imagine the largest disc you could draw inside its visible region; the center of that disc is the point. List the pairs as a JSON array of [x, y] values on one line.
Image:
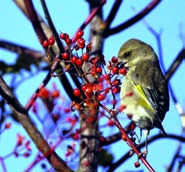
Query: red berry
[[76, 92], [67, 36], [115, 70], [7, 125], [110, 123], [79, 34], [20, 139], [94, 60], [77, 106], [65, 55], [76, 136], [67, 110], [73, 59], [124, 137], [128, 94], [63, 36], [44, 93], [106, 90], [100, 97], [122, 107], [107, 77], [116, 82], [133, 126], [79, 62], [68, 41], [99, 70], [116, 90], [51, 41], [84, 87], [45, 43], [123, 71], [114, 59], [88, 90], [81, 41], [26, 154], [137, 164], [55, 93], [82, 46], [102, 139], [85, 56]]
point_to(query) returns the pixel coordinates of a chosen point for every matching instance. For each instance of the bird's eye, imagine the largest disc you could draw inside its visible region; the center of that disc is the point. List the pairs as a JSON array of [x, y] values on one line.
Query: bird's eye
[[126, 54]]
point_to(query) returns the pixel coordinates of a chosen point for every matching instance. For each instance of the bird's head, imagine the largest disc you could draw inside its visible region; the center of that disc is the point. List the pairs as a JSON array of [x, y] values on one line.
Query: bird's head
[[134, 51]]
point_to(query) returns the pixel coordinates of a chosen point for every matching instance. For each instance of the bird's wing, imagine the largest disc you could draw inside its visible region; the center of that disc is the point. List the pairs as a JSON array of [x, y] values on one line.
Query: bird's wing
[[153, 85], [158, 103], [158, 100]]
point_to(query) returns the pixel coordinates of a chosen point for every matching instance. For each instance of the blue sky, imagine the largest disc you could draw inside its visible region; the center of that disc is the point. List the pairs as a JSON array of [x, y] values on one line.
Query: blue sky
[[167, 16]]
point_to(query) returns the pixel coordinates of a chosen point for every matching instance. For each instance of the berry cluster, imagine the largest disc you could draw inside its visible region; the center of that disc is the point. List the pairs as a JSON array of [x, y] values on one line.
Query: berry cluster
[[77, 56], [100, 83], [48, 42]]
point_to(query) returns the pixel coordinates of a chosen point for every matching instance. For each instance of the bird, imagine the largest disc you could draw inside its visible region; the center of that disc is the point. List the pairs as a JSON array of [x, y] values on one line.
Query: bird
[[149, 99]]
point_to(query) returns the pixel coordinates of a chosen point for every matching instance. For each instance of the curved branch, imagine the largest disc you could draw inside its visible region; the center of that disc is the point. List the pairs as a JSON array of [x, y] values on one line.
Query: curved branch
[[133, 20], [152, 139], [176, 63], [14, 47], [35, 21], [22, 115], [112, 14], [115, 137]]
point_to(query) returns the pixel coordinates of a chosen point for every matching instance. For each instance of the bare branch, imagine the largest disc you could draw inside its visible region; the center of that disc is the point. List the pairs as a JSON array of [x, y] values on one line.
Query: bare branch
[[112, 14], [52, 27], [176, 63], [37, 55], [152, 139], [22, 115], [134, 19]]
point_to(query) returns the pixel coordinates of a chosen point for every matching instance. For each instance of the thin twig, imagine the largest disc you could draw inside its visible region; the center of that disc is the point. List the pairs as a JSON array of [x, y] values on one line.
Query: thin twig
[[126, 138], [52, 27], [133, 20], [22, 115], [112, 14], [126, 156]]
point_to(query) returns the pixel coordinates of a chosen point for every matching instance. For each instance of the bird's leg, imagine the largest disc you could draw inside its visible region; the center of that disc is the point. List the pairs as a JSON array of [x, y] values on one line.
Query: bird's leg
[[146, 141], [139, 141], [145, 152]]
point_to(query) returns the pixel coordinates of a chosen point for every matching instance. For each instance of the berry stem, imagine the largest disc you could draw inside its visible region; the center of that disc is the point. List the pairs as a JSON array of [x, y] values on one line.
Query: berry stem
[[128, 140], [132, 145], [88, 19]]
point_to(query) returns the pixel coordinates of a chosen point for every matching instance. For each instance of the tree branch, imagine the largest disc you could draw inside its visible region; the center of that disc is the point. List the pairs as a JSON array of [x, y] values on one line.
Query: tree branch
[[22, 115], [19, 49], [152, 139], [133, 20], [112, 14], [176, 63]]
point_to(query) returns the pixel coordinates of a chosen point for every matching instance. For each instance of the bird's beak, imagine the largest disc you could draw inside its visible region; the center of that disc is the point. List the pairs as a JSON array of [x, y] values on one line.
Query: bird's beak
[[122, 64]]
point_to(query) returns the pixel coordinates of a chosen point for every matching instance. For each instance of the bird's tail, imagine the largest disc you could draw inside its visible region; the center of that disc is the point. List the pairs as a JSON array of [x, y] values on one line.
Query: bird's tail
[[163, 131], [159, 125]]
